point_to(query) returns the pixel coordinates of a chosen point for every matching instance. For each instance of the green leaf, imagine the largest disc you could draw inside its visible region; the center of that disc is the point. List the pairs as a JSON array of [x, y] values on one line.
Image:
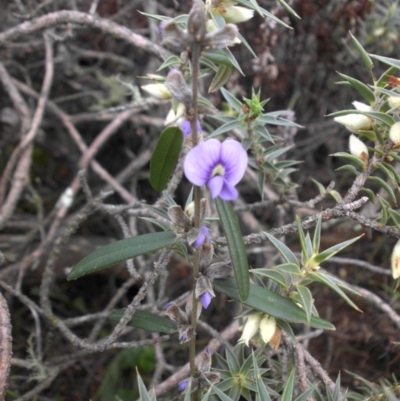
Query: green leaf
[[269, 302], [325, 279], [271, 274], [121, 250], [302, 238], [229, 126], [389, 174], [369, 193], [290, 268], [147, 321], [221, 395], [220, 78], [143, 393], [170, 62], [335, 195], [237, 249], [384, 185], [386, 60], [233, 363], [235, 103], [262, 392], [348, 156], [288, 8], [317, 235], [348, 167], [288, 391], [359, 86], [165, 156], [328, 253], [286, 253], [368, 64], [306, 300]]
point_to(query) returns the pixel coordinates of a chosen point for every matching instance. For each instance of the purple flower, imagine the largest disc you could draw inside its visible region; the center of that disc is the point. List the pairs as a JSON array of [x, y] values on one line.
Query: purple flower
[[169, 304], [182, 385], [219, 165], [183, 337], [186, 128], [205, 299], [204, 233]]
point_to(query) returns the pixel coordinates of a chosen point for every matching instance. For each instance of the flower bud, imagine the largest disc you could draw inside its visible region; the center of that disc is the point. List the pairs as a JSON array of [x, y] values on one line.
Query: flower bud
[[250, 328], [394, 102], [197, 23], [358, 149], [203, 363], [204, 291], [267, 328], [221, 38], [236, 14], [159, 91], [355, 122], [173, 38], [178, 87], [174, 115], [361, 106], [396, 261], [394, 133]]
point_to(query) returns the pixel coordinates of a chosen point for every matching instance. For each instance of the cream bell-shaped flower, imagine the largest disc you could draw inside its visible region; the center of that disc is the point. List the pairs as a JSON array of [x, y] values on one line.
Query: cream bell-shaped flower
[[250, 328], [394, 133], [229, 11], [394, 101], [358, 149], [396, 261], [361, 106], [267, 328], [355, 122], [174, 116], [158, 90]]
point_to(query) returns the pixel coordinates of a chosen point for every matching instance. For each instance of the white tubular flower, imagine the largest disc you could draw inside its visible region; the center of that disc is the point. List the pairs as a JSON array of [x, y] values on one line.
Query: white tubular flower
[[250, 328], [174, 116], [394, 102], [159, 91], [355, 122], [358, 149], [230, 12], [361, 106], [394, 133], [396, 261], [267, 328]]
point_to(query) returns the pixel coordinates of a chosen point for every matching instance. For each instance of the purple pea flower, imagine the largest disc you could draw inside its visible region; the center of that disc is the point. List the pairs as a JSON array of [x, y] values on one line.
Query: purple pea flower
[[219, 165], [186, 128], [204, 233], [182, 385], [205, 299]]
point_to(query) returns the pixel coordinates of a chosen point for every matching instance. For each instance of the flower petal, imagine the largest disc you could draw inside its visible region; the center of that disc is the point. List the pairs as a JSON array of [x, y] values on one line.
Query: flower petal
[[205, 299], [215, 186], [201, 160], [228, 192], [234, 159]]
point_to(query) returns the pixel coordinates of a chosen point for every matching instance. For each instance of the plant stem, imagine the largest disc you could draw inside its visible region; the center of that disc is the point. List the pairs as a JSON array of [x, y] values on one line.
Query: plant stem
[[193, 114]]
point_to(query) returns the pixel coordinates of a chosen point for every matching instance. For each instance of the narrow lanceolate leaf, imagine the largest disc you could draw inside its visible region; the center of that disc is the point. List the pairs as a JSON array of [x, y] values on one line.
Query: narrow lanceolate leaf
[[235, 103], [306, 300], [328, 253], [144, 395], [325, 279], [286, 253], [317, 235], [273, 304], [237, 249], [348, 156], [288, 391], [165, 156], [359, 86], [386, 60], [147, 321], [262, 392], [368, 64], [121, 250], [220, 78], [385, 186]]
